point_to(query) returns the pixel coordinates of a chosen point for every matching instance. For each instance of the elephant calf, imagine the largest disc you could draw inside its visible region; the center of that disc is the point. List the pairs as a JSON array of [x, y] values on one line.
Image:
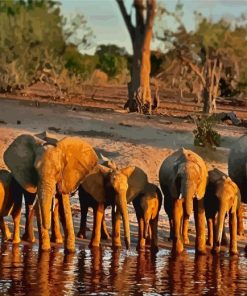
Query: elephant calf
[[222, 196], [147, 206]]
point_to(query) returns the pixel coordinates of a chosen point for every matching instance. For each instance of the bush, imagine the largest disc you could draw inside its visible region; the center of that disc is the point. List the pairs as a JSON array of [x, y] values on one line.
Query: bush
[[204, 134]]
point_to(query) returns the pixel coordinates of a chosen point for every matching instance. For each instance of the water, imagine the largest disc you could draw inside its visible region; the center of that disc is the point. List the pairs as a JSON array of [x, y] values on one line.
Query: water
[[25, 271]]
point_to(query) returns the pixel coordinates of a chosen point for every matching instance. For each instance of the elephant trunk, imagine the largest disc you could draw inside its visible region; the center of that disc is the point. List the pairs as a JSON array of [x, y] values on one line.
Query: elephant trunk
[[123, 207], [188, 193], [220, 223], [45, 195]]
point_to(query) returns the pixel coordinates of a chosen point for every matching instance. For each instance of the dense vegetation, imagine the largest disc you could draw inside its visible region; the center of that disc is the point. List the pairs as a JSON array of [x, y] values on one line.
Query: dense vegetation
[[37, 41]]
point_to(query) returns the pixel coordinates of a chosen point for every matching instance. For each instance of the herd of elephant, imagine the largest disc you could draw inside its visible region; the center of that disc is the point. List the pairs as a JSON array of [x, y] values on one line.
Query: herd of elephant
[[47, 171]]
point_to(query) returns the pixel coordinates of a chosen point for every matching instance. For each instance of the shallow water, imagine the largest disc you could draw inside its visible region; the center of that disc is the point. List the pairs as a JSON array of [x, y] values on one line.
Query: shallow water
[[25, 271]]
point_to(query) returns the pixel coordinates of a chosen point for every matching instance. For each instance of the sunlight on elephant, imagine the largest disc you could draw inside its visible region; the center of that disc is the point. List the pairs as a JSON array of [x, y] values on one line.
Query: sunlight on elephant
[[183, 178], [147, 206], [48, 169], [117, 188], [222, 197]]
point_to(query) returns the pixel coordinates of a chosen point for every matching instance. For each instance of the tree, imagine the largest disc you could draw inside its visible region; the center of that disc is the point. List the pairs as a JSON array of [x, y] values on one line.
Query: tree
[[215, 52], [139, 91]]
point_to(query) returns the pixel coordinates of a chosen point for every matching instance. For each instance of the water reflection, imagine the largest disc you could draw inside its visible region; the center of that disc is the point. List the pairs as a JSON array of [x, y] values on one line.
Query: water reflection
[[25, 271]]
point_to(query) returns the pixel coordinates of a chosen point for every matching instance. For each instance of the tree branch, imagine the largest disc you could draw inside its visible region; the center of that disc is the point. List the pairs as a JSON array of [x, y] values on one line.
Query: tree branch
[[127, 19], [194, 68]]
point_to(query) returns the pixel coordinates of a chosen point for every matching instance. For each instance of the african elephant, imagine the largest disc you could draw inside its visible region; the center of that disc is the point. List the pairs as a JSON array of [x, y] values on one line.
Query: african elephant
[[222, 196], [115, 188], [47, 170], [237, 170], [183, 178], [147, 206]]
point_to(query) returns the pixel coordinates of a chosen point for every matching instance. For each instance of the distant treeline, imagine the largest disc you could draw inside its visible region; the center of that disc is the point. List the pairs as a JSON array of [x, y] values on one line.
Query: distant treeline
[[38, 42]]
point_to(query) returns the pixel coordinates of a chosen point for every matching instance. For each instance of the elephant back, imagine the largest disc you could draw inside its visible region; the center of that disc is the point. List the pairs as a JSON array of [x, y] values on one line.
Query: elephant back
[[237, 161], [20, 156]]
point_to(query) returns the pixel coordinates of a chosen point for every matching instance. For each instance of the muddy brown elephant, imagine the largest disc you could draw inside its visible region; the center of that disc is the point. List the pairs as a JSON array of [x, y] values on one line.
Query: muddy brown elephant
[[237, 170], [116, 188], [147, 206], [47, 169], [183, 178], [222, 197]]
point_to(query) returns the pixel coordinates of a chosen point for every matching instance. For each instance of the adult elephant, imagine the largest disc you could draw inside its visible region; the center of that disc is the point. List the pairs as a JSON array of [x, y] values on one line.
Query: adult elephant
[[116, 188], [47, 169], [183, 178], [237, 170]]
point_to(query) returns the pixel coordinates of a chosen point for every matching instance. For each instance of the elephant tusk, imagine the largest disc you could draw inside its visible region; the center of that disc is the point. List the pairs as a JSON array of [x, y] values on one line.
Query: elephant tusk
[[180, 196], [34, 203], [53, 203]]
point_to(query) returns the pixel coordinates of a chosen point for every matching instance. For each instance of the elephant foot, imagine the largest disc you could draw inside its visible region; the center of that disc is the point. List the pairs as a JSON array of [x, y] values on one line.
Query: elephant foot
[[45, 246], [140, 248], [186, 241], [177, 247], [69, 251], [234, 252], [7, 237], [16, 240], [94, 244], [69, 245], [201, 251], [215, 250], [209, 243], [28, 238], [154, 249], [57, 240]]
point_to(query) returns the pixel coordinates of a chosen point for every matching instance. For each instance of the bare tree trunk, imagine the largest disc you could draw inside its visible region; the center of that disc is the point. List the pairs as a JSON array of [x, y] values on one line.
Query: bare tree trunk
[[141, 37]]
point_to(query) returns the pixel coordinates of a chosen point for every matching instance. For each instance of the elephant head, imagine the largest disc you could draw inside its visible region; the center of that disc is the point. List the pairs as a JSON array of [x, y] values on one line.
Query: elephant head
[[43, 167], [228, 196], [190, 178]]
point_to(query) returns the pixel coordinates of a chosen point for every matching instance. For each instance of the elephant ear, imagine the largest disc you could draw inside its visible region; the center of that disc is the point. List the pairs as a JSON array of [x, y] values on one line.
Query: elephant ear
[[79, 159], [137, 181], [20, 157], [94, 184]]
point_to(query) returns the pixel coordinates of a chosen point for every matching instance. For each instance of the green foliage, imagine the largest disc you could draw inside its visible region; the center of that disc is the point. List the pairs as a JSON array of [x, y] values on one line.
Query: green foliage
[[204, 134], [112, 59]]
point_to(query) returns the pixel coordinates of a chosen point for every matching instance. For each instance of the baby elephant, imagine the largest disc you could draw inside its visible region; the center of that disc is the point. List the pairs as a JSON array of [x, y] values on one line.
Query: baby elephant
[[147, 206], [222, 196]]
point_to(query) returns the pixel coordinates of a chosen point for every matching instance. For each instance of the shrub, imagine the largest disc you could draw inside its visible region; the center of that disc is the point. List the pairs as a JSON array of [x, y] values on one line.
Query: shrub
[[204, 134]]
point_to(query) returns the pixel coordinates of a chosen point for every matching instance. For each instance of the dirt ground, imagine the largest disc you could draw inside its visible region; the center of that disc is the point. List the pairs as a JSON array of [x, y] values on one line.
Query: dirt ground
[[129, 139]]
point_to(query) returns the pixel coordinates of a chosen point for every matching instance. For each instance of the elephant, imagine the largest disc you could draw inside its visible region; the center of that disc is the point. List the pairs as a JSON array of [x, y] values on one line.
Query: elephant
[[116, 188], [147, 206], [237, 170], [47, 169], [183, 178], [87, 200], [222, 196]]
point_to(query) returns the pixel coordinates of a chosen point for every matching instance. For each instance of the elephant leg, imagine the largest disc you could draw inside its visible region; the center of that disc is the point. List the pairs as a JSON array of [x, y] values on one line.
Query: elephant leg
[[5, 230], [69, 235], [154, 239], [240, 223], [56, 235], [233, 233], [96, 235], [171, 228], [104, 232], [177, 218], [29, 232], [210, 239], [116, 240], [44, 238], [186, 229], [16, 215], [199, 215], [224, 241], [141, 239], [83, 224]]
